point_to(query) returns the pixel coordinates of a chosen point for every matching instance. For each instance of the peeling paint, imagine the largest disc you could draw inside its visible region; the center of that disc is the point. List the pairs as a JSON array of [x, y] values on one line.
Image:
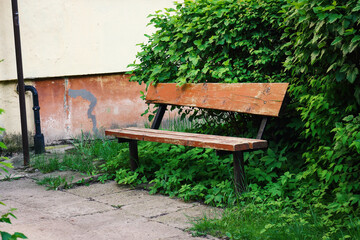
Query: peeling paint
[[66, 105], [118, 104], [91, 98]]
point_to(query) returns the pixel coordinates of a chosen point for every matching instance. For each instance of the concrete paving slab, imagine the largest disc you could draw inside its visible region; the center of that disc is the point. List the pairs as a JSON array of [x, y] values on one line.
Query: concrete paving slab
[[182, 219], [121, 225], [43, 230], [69, 209], [151, 205], [97, 189], [127, 197], [98, 211], [22, 213], [22, 188], [156, 206]]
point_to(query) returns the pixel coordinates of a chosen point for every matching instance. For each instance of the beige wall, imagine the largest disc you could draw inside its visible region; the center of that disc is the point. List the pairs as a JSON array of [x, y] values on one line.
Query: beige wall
[[9, 101], [75, 37]]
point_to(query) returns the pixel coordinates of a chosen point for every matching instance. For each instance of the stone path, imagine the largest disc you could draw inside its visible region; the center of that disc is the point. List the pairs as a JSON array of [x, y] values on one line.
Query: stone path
[[98, 211]]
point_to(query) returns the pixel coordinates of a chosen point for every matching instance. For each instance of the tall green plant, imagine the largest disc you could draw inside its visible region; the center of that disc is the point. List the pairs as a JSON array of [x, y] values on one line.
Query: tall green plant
[[325, 61], [312, 165], [324, 57], [217, 41], [213, 40]]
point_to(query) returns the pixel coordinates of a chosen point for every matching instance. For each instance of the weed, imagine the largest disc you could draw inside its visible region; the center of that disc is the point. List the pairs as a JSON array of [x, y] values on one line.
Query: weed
[[254, 221], [87, 157], [46, 164], [78, 163], [9, 178], [54, 183], [117, 206]]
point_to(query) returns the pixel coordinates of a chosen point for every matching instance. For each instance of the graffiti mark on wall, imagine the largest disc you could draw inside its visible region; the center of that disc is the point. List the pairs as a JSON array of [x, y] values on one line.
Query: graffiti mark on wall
[[91, 98]]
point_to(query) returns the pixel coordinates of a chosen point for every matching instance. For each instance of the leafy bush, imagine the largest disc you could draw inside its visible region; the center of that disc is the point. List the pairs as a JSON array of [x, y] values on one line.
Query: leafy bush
[[311, 167], [213, 40], [324, 60]]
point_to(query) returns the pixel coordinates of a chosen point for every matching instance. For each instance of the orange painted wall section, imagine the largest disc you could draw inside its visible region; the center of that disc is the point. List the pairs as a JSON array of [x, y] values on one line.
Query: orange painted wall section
[[89, 104]]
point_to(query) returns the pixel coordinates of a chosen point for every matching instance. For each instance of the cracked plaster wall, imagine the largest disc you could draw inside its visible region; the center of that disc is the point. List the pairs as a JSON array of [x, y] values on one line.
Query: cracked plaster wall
[[70, 106]]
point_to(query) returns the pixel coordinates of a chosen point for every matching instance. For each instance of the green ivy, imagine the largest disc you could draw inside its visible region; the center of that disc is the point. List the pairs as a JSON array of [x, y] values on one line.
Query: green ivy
[[311, 167], [323, 57], [213, 40]]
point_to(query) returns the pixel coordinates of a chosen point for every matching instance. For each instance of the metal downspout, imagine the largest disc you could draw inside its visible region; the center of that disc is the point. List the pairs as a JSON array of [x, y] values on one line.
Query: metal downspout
[[39, 143], [20, 76]]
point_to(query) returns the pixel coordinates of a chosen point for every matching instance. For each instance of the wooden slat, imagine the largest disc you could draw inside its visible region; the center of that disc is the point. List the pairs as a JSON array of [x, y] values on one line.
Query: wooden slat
[[254, 98], [227, 140], [189, 139]]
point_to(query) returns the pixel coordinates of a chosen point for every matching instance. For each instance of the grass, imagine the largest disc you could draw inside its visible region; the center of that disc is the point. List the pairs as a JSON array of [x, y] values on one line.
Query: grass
[[86, 157], [9, 178], [55, 182], [250, 223], [46, 164], [89, 155], [239, 224]]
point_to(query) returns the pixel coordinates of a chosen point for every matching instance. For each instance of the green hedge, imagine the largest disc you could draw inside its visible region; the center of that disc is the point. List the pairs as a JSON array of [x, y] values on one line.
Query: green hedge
[[214, 41], [312, 164]]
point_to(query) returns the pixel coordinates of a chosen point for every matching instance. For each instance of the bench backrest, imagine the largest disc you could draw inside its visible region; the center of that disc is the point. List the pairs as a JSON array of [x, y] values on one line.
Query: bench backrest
[[253, 98]]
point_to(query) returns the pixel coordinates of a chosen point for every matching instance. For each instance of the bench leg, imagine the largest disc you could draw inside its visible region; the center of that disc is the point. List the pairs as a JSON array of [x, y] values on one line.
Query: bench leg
[[239, 172], [134, 157]]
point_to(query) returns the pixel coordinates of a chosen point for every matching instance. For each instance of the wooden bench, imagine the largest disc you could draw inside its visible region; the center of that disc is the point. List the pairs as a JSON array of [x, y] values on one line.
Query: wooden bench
[[263, 99]]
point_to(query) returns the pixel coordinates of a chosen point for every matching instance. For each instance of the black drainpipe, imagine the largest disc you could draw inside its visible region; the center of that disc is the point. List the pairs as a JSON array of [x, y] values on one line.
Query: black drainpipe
[[24, 131], [39, 143]]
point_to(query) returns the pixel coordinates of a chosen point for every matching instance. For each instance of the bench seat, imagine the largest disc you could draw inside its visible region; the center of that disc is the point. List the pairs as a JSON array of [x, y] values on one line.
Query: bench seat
[[258, 99], [189, 139]]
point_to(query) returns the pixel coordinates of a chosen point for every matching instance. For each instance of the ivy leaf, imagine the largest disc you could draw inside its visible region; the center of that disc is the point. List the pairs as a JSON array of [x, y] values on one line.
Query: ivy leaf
[[357, 8], [197, 43], [336, 40], [339, 76], [328, 8], [355, 39], [332, 66], [314, 55], [352, 74], [357, 95], [348, 118], [333, 17]]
